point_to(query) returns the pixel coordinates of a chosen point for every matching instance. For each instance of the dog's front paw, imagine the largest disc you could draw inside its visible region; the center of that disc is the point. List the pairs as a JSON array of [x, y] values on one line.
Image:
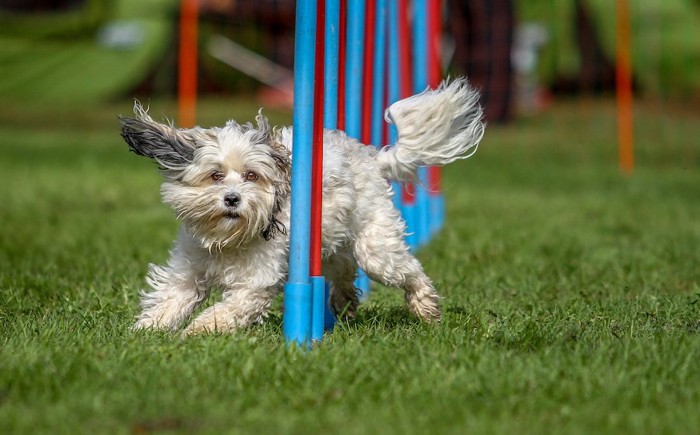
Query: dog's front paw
[[199, 327], [144, 323], [424, 305], [211, 320]]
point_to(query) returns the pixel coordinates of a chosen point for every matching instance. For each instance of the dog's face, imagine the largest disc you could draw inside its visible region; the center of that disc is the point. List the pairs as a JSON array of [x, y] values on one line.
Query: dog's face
[[227, 185]]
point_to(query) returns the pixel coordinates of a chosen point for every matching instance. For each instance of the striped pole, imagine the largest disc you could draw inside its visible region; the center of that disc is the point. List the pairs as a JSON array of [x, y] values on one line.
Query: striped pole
[[298, 289], [318, 282]]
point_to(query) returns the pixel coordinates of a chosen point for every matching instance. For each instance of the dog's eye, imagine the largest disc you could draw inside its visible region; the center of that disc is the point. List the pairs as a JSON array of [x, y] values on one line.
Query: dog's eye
[[250, 176], [217, 176]]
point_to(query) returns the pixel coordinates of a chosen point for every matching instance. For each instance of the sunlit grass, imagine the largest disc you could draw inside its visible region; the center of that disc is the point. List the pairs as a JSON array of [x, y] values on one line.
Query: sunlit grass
[[571, 294]]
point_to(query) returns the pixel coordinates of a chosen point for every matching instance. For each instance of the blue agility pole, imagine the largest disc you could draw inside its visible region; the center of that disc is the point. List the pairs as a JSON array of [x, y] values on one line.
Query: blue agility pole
[[355, 47], [353, 76], [330, 104], [398, 74], [298, 290], [420, 83], [332, 48], [393, 82]]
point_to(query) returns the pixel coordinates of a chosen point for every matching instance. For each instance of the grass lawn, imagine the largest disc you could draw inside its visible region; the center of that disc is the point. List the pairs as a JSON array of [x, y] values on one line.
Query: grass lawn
[[571, 294]]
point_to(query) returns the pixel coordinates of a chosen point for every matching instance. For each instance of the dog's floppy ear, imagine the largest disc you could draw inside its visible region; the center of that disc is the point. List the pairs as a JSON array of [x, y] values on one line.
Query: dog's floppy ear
[[171, 148], [282, 157]]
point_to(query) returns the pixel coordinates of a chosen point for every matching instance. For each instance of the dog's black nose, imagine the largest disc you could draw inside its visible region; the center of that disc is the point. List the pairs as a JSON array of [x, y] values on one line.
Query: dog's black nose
[[232, 199]]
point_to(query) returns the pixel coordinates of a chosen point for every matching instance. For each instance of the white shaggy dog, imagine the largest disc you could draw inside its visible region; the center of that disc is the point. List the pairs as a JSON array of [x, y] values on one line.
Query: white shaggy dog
[[230, 187]]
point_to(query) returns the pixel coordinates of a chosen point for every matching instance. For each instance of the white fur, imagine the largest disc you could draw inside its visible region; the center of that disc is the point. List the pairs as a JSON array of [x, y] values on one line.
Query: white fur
[[243, 249]]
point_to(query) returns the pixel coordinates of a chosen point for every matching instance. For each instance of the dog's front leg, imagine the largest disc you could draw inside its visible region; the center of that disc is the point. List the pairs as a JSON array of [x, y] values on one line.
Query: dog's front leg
[[239, 308], [175, 293]]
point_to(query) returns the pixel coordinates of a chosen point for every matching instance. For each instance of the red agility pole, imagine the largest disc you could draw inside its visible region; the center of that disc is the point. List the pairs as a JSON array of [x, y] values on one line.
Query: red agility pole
[[406, 78], [187, 64], [368, 71], [342, 50], [317, 165], [317, 280]]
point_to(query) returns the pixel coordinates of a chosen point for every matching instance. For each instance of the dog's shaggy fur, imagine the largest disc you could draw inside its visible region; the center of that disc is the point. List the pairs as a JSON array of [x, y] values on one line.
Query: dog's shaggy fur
[[230, 187]]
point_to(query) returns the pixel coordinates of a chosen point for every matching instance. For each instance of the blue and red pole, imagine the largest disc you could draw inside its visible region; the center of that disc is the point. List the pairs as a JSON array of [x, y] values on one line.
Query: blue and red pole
[[318, 282]]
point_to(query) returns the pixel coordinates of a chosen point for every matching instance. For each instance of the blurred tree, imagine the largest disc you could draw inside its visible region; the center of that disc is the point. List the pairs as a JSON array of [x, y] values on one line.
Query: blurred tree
[[596, 71]]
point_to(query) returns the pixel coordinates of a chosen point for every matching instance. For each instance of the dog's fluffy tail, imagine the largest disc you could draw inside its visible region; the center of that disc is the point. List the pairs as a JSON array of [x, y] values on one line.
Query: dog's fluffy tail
[[435, 127]]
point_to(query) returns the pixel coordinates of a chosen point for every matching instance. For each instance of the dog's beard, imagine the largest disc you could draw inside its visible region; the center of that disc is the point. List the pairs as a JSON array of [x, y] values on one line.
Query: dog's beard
[[216, 226]]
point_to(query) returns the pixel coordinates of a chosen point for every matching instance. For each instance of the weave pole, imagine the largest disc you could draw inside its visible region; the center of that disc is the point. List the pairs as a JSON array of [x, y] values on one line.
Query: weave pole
[[420, 83], [333, 60], [401, 86], [317, 280], [331, 105], [379, 101], [434, 67], [368, 74], [392, 82], [353, 92], [352, 59], [354, 49], [298, 289], [187, 64], [342, 62]]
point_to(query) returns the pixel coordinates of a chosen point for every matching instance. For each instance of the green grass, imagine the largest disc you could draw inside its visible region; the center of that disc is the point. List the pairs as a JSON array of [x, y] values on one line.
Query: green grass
[[571, 294]]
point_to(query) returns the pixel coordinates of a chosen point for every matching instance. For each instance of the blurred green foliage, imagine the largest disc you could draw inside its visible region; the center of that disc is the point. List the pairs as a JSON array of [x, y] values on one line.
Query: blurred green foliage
[[665, 40], [56, 57], [75, 23]]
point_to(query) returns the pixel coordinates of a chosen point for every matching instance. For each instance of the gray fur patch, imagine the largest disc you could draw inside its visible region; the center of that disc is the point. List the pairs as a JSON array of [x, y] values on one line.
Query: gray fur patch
[[158, 142]]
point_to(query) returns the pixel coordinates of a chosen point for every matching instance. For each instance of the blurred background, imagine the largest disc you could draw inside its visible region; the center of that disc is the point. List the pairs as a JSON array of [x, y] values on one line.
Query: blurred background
[[521, 53]]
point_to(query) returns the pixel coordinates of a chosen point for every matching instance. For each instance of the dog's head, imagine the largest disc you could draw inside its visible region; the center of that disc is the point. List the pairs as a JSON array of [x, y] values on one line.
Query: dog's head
[[227, 185]]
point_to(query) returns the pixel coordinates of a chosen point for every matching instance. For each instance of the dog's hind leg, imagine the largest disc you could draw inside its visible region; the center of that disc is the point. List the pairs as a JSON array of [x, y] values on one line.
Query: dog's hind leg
[[382, 253], [340, 269]]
